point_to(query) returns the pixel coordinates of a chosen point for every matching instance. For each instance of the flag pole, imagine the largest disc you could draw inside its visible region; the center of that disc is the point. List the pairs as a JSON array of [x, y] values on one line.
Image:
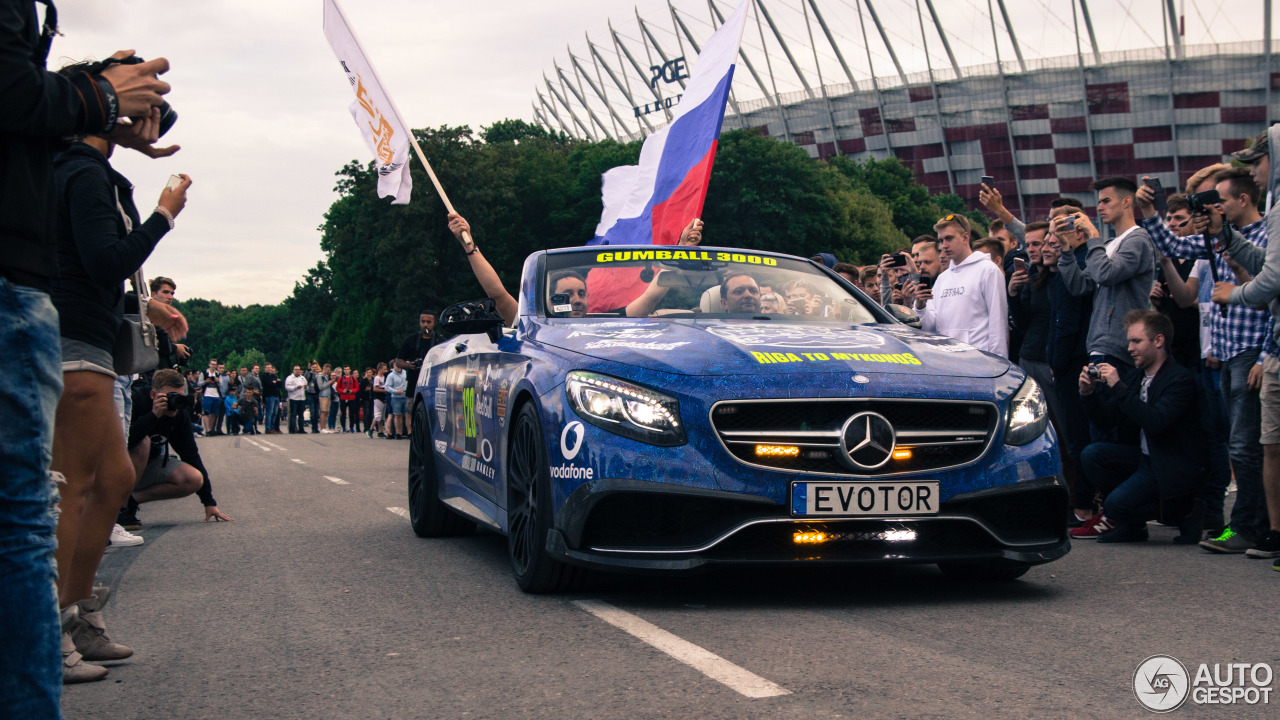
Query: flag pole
[[400, 119]]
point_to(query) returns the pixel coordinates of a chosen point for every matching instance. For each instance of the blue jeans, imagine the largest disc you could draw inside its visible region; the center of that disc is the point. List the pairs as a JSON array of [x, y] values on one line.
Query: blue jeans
[[1131, 495], [1215, 410], [272, 417], [313, 405], [1244, 418], [30, 383]]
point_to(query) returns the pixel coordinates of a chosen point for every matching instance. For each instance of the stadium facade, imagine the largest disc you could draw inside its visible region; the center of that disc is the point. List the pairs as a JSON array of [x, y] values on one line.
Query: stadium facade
[[1041, 126]]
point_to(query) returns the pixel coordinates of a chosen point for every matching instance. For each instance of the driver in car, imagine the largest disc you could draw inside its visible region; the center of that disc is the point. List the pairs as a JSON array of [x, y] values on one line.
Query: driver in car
[[739, 293], [567, 282]]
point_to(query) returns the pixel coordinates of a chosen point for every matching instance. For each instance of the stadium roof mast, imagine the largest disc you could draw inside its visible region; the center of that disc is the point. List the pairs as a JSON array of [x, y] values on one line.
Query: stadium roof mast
[[942, 33], [644, 32], [1008, 114], [786, 50], [617, 44], [716, 17], [1266, 39], [773, 80], [1173, 107], [585, 130], [937, 101], [1093, 39], [1084, 92], [681, 27], [1172, 17], [551, 109], [1017, 49], [884, 37], [597, 90], [826, 100], [578, 93], [625, 88], [875, 83]]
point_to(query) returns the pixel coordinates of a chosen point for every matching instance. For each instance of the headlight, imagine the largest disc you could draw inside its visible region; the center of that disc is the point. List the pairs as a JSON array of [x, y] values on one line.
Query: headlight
[[625, 409], [1028, 415]]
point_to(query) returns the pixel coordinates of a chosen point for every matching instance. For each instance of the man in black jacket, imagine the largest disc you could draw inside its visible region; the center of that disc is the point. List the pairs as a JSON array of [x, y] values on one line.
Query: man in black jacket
[[1158, 470], [158, 431], [40, 108]]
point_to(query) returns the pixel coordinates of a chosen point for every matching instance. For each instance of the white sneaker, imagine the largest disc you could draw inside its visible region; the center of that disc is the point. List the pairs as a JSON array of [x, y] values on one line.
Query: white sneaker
[[123, 538]]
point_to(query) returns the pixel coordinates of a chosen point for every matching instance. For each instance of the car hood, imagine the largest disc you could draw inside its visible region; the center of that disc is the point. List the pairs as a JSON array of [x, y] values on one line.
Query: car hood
[[738, 347]]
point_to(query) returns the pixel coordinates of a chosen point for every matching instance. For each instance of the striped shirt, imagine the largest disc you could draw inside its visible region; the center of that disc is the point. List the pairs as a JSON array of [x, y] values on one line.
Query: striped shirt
[[1240, 328]]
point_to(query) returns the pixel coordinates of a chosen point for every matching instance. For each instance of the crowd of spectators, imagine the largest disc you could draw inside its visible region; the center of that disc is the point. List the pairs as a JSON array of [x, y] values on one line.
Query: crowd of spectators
[[326, 398], [1152, 344]]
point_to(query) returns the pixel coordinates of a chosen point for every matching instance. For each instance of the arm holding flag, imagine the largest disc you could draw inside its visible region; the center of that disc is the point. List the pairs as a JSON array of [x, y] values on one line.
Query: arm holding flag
[[488, 277]]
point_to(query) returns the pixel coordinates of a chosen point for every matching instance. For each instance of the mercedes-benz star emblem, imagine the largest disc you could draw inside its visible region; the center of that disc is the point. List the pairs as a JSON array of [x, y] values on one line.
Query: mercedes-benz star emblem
[[867, 440]]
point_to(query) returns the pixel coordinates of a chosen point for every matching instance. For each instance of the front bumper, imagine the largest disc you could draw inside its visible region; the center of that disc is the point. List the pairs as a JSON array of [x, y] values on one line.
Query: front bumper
[[633, 525]]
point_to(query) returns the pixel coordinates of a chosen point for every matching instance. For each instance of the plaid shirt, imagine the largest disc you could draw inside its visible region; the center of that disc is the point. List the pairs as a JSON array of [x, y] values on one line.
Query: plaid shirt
[[1240, 328]]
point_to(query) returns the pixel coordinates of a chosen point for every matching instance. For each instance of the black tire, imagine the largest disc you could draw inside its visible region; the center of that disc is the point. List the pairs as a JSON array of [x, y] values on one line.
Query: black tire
[[529, 510], [427, 514], [975, 572]]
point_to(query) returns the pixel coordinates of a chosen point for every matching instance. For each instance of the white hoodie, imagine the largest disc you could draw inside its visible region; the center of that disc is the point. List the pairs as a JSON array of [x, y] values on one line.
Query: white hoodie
[[970, 304]]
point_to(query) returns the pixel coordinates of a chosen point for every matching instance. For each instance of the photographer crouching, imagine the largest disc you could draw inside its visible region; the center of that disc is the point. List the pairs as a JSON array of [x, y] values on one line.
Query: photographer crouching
[[1157, 471], [165, 424]]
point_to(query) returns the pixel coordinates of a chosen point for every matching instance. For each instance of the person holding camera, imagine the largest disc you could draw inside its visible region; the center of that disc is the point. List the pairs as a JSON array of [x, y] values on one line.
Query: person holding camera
[[162, 427], [102, 241], [41, 108], [1237, 336], [1264, 287], [1157, 470], [1118, 274]]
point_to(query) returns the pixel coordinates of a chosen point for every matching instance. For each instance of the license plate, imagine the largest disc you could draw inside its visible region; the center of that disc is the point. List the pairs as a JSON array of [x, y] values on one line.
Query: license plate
[[863, 499]]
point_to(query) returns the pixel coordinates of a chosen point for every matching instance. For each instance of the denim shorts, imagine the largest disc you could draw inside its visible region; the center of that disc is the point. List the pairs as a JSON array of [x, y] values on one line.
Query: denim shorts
[[397, 403], [1270, 432], [80, 356]]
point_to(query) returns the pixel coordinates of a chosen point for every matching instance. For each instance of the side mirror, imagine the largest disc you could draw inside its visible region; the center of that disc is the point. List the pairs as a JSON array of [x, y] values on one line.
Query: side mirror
[[904, 315], [472, 317]]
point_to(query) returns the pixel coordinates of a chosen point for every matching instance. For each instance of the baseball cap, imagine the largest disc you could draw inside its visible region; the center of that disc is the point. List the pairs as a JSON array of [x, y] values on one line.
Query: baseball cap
[[1254, 152]]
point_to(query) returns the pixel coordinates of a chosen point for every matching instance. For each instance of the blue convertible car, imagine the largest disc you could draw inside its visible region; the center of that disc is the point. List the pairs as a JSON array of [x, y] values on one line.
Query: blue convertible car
[[733, 407]]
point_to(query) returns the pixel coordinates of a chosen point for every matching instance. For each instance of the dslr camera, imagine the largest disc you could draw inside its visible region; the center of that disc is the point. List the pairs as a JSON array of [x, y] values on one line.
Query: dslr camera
[[1197, 203], [1094, 375], [168, 116], [178, 401]]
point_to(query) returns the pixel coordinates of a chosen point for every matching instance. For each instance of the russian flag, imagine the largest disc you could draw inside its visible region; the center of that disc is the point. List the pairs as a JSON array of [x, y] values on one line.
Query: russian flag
[[650, 203]]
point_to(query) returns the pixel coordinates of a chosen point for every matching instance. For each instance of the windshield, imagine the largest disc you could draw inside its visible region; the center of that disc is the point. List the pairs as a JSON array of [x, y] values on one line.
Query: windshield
[[707, 282]]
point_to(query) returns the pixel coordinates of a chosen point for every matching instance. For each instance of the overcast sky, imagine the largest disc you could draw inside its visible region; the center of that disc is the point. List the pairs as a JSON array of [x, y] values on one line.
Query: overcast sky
[[263, 104]]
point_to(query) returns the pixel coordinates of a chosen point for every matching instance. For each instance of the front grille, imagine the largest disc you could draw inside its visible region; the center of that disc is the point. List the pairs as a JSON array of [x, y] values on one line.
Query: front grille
[[656, 521], [1018, 514], [941, 434]]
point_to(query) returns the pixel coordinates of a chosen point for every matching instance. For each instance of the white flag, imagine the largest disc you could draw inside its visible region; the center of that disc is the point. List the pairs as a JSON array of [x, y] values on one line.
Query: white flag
[[373, 112]]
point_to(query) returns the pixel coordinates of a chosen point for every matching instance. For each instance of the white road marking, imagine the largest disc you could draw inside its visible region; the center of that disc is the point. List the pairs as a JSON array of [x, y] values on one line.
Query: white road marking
[[400, 511], [336, 481], [299, 461], [255, 444], [273, 444], [704, 661]]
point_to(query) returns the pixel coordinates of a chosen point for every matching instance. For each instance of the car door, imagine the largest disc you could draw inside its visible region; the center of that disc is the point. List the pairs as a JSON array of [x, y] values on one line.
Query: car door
[[471, 405]]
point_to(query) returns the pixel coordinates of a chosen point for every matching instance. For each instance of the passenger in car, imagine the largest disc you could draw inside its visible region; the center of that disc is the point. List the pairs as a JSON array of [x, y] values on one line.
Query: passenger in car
[[568, 282]]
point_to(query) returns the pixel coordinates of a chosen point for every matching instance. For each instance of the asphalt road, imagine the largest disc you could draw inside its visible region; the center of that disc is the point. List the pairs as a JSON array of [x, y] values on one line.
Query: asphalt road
[[319, 602]]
